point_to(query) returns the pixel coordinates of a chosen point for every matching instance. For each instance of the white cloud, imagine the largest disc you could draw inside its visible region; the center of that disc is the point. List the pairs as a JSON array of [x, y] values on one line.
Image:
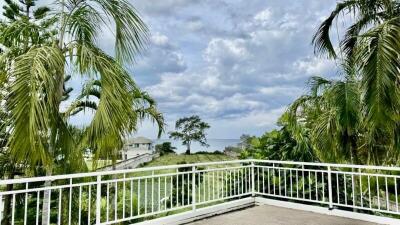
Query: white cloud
[[264, 16], [314, 66]]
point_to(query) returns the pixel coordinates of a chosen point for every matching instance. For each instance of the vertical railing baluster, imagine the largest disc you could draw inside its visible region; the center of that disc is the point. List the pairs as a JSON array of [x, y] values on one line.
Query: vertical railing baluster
[[49, 207], [139, 196], [353, 189], [159, 194], [171, 190], [323, 186], [193, 188], [345, 188], [377, 192], [291, 183], [395, 193], [297, 183], [269, 184], [116, 200], [123, 195], [369, 192], [13, 210], [1, 212], [234, 183], [188, 188], [330, 188], [69, 203], [253, 187], [337, 188], [59, 206], [165, 192], [98, 200], [387, 194], [80, 206], [145, 196], [108, 202], [152, 191], [131, 198], [273, 177], [89, 204], [258, 179], [361, 193], [284, 174], [309, 184], [204, 186], [279, 182], [177, 187], [37, 207], [316, 185], [242, 177], [183, 190], [304, 185], [25, 205]]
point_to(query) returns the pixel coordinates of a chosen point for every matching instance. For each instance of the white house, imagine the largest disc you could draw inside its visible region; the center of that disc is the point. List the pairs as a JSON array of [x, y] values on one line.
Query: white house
[[136, 146]]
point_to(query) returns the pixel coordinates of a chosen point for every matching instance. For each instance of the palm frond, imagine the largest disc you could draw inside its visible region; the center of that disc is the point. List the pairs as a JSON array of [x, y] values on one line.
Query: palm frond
[[33, 98], [380, 64], [131, 33], [321, 39]]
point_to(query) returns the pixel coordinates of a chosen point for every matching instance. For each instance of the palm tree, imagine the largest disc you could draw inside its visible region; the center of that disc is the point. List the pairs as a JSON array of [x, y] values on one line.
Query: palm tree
[[37, 77], [371, 43], [143, 104], [331, 114], [41, 48]]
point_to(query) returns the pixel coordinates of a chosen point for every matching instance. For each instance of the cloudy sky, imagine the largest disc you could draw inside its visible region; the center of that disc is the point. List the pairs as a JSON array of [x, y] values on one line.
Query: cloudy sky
[[236, 63]]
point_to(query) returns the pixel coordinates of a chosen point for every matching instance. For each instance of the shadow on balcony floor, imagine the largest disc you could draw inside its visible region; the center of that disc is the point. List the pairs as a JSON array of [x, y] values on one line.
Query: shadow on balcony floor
[[271, 215]]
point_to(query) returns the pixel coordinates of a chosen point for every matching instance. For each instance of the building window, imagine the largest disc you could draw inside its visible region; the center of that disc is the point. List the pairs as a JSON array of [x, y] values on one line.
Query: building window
[[136, 145]]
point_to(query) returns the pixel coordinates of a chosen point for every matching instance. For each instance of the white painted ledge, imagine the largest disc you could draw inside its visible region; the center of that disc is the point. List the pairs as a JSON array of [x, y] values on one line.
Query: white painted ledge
[[326, 211], [201, 213]]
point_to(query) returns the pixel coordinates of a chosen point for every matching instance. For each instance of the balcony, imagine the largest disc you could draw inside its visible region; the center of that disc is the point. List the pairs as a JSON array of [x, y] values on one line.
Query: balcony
[[262, 190]]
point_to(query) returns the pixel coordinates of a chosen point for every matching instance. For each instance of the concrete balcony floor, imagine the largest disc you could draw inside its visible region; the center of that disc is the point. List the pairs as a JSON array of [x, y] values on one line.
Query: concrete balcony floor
[[272, 215]]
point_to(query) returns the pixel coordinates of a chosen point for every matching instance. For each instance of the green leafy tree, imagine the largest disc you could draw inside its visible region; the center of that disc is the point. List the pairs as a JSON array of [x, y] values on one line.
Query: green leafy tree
[[190, 129], [277, 145], [165, 148]]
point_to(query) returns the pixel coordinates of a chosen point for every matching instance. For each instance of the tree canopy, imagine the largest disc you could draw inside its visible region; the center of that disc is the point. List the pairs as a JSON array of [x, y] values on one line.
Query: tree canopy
[[190, 129]]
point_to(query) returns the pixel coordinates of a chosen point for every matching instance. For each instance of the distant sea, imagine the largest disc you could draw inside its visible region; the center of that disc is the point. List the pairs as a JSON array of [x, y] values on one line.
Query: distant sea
[[215, 144]]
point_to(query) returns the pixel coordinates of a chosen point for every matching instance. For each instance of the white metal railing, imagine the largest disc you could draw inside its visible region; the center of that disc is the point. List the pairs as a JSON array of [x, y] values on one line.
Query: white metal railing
[[133, 195]]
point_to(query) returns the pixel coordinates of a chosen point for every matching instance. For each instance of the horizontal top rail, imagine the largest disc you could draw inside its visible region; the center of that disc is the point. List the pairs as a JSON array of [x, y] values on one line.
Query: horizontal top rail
[[114, 172], [389, 168]]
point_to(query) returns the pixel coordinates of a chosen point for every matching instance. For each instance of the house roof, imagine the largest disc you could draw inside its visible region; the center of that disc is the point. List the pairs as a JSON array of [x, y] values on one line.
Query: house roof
[[139, 140]]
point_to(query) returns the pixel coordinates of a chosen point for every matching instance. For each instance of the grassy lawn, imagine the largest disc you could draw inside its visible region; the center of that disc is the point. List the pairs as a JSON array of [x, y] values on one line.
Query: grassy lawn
[[173, 159]]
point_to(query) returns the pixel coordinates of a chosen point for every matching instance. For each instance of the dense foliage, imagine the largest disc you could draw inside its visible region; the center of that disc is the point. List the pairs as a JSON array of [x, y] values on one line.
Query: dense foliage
[[165, 148]]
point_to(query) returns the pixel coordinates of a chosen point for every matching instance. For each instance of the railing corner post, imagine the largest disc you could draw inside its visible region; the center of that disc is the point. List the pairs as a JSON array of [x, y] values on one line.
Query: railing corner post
[[330, 188], [253, 184], [194, 188], [98, 200]]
